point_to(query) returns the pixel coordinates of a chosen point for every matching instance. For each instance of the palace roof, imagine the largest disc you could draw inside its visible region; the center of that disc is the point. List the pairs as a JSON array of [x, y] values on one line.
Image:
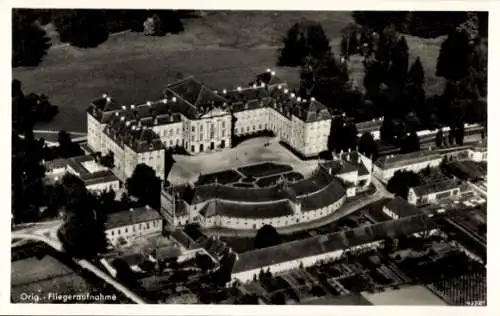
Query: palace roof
[[397, 161], [131, 217], [436, 187], [244, 211]]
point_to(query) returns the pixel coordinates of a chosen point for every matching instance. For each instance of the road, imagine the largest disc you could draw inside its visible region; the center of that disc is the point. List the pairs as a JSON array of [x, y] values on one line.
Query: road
[[47, 233], [345, 210]]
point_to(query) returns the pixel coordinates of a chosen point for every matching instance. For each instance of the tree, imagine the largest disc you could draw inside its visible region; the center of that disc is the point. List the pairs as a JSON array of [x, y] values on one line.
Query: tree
[[350, 43], [401, 182], [145, 185], [415, 93], [335, 136], [379, 20], [82, 232], [81, 28], [453, 59], [152, 25], [387, 130], [108, 160], [23, 118], [410, 143], [30, 42], [66, 146], [303, 39], [325, 79], [170, 22], [460, 134], [375, 75], [439, 138], [398, 70], [267, 236], [27, 174], [135, 19], [368, 146], [451, 137]]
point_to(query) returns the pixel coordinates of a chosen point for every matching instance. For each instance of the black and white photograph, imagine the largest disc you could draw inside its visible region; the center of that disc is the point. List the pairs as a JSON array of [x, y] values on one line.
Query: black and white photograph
[[249, 157]]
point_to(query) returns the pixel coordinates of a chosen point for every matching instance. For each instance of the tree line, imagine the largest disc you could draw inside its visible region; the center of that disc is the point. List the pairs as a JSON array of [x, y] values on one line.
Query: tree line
[[83, 28], [394, 85]]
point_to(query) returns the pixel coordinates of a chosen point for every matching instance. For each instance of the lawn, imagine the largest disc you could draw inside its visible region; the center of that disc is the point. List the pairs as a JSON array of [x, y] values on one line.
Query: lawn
[[134, 68], [264, 169], [48, 275], [271, 180], [223, 177]]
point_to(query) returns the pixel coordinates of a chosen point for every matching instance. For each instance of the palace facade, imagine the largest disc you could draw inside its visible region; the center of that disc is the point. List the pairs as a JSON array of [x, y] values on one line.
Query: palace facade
[[203, 120]]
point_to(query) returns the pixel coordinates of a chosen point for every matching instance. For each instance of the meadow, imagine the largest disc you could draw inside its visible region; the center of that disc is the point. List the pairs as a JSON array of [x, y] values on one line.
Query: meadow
[[222, 49]]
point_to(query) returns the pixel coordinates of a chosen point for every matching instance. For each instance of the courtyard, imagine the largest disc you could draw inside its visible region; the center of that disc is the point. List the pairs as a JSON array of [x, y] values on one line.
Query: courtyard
[[250, 164]]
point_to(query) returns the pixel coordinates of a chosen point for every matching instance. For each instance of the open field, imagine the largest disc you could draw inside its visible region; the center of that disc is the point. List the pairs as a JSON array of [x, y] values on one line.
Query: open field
[[134, 68], [48, 275], [411, 295]]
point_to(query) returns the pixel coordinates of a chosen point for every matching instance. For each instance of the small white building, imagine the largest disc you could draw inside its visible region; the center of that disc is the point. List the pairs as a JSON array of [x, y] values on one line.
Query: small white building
[[353, 168], [96, 177], [126, 226], [385, 167], [398, 208], [434, 192], [479, 153]]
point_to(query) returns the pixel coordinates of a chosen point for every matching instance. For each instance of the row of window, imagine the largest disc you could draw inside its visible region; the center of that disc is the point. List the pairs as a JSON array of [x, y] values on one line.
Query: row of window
[[212, 136], [209, 148], [135, 228], [250, 128], [178, 142], [170, 132], [282, 221], [212, 127]]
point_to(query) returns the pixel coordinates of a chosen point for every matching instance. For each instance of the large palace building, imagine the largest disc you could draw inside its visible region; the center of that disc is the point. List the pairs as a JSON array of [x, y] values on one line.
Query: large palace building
[[203, 120]]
